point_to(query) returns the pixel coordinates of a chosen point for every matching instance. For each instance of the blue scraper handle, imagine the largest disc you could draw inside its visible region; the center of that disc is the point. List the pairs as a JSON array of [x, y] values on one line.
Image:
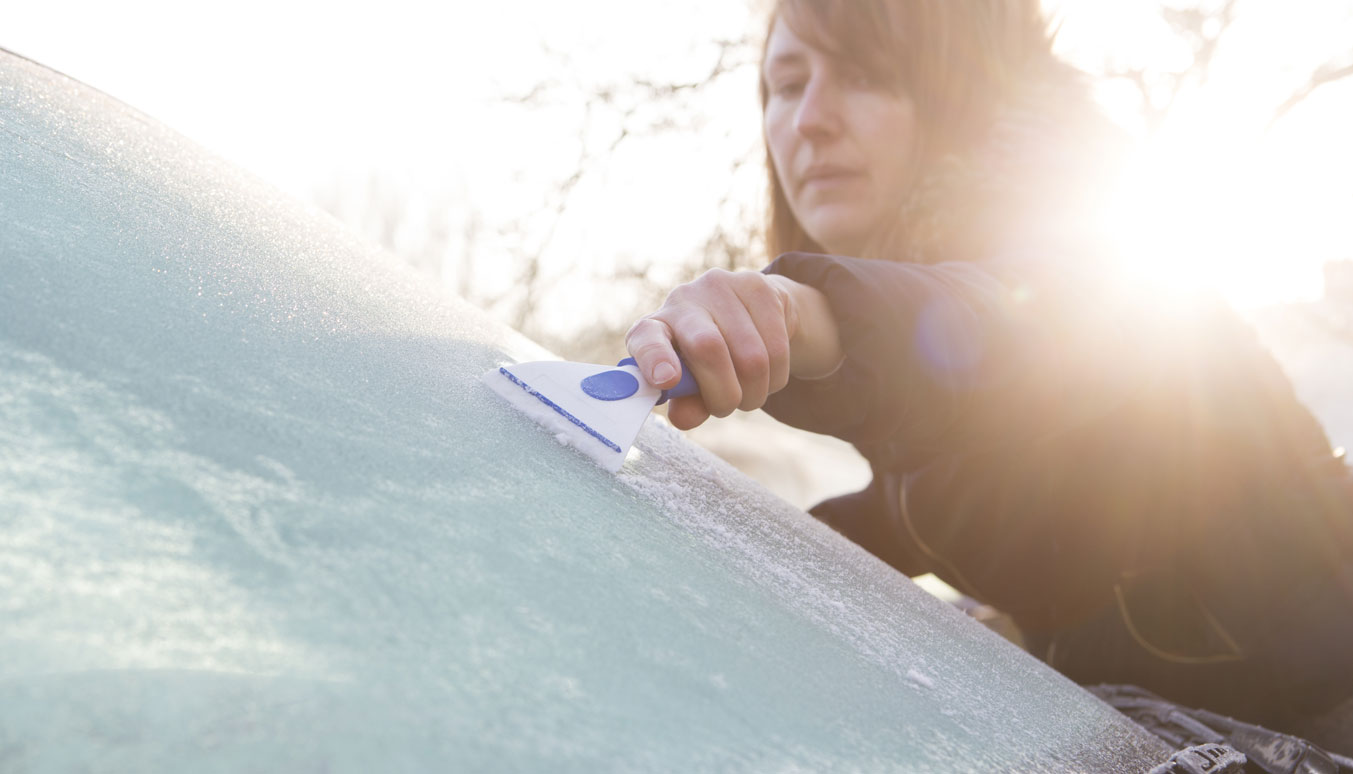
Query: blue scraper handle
[[686, 386]]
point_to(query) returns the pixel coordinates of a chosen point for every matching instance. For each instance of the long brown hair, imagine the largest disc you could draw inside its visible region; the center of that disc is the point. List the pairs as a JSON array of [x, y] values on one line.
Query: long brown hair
[[956, 59]]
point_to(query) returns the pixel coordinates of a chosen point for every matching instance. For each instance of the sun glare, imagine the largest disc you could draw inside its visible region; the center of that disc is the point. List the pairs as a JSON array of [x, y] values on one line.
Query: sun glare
[[1217, 199], [1201, 208]]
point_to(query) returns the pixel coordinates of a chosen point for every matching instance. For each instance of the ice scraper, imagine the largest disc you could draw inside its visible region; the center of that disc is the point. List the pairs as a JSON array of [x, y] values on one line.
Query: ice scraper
[[596, 409]]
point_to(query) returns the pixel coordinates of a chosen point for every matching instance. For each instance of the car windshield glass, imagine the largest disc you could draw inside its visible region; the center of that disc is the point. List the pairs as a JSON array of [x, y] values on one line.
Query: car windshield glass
[[259, 513]]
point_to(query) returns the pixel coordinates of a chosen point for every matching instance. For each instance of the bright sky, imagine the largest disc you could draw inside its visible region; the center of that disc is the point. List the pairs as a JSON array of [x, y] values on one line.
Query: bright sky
[[311, 95], [299, 91], [1252, 213]]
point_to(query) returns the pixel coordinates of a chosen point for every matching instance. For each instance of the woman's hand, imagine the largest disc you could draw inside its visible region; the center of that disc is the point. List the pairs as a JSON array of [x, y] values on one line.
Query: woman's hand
[[742, 334]]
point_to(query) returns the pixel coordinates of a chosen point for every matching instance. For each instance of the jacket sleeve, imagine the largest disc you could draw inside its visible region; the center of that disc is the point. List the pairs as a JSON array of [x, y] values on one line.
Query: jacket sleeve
[[949, 356]]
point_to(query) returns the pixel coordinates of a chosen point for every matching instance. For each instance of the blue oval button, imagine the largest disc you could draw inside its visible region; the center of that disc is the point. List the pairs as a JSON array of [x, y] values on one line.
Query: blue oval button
[[611, 385]]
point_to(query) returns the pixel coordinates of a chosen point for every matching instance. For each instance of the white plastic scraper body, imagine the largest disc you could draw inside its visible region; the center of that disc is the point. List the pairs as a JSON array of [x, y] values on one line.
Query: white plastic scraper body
[[553, 393]]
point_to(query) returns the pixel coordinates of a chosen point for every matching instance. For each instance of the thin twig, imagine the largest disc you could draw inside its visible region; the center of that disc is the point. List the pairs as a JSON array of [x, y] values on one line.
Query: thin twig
[[1323, 75]]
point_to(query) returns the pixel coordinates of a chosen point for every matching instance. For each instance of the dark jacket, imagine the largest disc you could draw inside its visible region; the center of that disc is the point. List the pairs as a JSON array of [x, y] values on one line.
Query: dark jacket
[[1037, 437], [1045, 429]]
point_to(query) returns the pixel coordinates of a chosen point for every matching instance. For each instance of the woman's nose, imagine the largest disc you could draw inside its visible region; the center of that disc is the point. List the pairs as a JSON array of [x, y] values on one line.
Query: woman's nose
[[819, 112]]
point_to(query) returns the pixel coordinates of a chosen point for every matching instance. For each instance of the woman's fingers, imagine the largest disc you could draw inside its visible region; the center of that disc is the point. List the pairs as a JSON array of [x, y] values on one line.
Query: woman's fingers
[[746, 357], [702, 344], [766, 307], [649, 342], [735, 301], [687, 413], [690, 327], [730, 328]]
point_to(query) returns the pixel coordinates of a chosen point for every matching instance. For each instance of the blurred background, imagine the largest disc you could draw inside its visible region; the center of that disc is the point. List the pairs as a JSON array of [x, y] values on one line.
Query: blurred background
[[562, 165]]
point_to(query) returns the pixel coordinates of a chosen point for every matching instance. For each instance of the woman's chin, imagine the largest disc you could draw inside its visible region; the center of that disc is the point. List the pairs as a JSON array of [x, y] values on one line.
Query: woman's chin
[[838, 238], [841, 228]]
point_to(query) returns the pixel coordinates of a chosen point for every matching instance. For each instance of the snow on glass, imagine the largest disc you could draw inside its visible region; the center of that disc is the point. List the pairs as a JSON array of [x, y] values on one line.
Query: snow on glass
[[260, 514]]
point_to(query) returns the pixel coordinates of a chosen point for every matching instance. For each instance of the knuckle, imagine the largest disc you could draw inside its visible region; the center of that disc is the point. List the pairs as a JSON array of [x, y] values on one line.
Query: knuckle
[[753, 365], [725, 407], [704, 344], [749, 279], [645, 334], [636, 329], [777, 350], [755, 285], [711, 279]]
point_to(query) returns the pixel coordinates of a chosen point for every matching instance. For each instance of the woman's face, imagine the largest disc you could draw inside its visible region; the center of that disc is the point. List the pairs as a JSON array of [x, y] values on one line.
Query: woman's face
[[842, 143]]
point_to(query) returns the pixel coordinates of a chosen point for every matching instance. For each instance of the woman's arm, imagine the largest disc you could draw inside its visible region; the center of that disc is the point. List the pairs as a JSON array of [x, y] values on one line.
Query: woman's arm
[[954, 356], [937, 357]]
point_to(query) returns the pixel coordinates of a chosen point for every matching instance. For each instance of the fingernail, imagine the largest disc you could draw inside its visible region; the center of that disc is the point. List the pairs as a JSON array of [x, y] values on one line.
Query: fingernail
[[663, 372]]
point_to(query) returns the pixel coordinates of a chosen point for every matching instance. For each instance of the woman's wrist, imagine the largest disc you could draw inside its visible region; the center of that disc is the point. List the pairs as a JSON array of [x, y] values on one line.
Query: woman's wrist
[[814, 341]]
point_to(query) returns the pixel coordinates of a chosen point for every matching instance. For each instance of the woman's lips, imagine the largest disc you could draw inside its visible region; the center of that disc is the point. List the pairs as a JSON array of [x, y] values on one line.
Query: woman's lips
[[828, 177]]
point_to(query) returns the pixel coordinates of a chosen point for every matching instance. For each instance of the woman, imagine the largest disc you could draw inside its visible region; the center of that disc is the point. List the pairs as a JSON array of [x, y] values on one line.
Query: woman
[[1132, 480]]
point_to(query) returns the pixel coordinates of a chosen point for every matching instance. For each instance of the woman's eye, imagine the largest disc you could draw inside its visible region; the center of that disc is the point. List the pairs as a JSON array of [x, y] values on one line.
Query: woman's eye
[[787, 89], [867, 78]]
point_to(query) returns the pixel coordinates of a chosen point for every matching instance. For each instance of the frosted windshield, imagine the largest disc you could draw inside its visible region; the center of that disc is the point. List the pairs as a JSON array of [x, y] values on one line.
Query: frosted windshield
[[258, 513]]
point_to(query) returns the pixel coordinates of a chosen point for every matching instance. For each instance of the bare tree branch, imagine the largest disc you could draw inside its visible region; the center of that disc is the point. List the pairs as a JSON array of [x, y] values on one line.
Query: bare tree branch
[[1202, 30], [615, 113], [1324, 74]]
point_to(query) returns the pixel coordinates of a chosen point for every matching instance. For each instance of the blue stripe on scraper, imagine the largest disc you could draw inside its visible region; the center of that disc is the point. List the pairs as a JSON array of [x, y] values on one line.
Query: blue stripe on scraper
[[560, 410]]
